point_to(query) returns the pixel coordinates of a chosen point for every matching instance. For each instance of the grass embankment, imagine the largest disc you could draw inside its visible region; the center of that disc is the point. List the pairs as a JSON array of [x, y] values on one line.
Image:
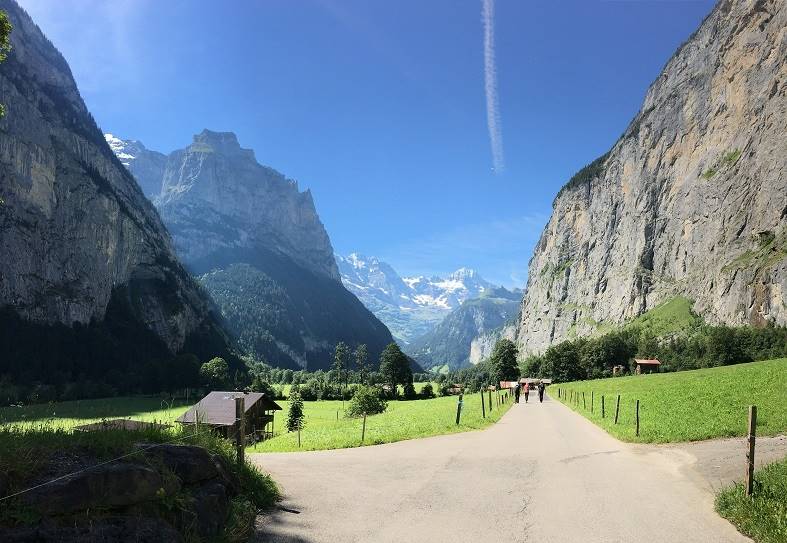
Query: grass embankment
[[688, 405], [401, 420], [28, 453], [763, 516]]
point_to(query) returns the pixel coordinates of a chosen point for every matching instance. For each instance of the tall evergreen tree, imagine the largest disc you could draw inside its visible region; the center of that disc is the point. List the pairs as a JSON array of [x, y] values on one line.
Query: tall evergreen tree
[[362, 362]]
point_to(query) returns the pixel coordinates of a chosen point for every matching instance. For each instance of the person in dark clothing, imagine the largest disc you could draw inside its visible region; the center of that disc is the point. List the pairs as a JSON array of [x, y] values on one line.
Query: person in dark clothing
[[541, 388], [516, 393]]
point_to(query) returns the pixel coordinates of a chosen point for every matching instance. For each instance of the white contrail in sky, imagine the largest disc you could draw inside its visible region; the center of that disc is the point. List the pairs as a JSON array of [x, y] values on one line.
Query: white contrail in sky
[[490, 84]]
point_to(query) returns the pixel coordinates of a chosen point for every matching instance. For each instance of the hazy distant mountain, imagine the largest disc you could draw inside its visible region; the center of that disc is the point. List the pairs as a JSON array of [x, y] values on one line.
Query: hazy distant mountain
[[449, 344], [147, 166], [258, 247], [409, 306]]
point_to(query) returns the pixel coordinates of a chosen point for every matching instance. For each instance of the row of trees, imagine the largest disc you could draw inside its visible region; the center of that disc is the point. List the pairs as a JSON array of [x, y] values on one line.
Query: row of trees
[[707, 346]]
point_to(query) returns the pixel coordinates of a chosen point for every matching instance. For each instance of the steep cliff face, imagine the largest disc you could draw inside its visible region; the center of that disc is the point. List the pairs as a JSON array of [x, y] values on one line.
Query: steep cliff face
[[216, 197], [76, 233], [257, 245], [691, 201]]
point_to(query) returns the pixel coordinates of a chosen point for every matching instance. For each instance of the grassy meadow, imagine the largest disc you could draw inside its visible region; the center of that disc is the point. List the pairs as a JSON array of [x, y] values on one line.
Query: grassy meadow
[[763, 517], [326, 427], [688, 405], [402, 420]]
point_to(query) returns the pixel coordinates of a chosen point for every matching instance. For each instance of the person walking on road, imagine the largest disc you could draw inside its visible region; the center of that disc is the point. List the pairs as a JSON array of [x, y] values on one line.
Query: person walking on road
[[516, 393], [541, 389], [527, 391]]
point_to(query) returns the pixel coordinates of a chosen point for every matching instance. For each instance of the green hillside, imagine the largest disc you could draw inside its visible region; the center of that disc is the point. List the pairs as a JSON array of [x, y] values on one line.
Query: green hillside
[[688, 405]]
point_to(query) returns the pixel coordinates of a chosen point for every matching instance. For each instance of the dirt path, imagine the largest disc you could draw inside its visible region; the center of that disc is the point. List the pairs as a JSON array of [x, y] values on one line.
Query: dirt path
[[542, 473]]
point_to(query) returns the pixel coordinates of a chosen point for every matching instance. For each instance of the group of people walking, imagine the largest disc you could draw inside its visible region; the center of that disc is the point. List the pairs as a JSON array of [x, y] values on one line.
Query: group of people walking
[[517, 387]]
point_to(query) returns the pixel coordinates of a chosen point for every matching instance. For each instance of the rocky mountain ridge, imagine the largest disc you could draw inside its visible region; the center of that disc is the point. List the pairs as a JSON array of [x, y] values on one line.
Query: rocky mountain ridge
[[690, 201], [409, 306], [258, 246], [449, 344]]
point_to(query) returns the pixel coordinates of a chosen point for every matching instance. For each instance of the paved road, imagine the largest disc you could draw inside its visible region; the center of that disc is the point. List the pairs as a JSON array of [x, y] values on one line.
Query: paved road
[[541, 474]]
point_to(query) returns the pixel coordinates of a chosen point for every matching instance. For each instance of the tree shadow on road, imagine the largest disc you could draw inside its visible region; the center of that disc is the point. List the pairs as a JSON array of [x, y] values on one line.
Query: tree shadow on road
[[276, 525]]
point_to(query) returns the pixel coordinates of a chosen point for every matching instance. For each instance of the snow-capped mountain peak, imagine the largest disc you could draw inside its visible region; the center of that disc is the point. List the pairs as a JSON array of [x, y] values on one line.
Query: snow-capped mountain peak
[[409, 306]]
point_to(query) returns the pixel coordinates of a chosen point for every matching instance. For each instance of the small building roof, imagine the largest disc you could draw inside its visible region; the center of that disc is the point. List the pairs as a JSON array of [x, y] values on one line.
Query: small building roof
[[119, 424], [646, 361], [218, 407]]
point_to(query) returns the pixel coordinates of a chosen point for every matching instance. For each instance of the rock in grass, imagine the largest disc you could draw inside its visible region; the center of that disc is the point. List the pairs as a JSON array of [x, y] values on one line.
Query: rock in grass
[[108, 486]]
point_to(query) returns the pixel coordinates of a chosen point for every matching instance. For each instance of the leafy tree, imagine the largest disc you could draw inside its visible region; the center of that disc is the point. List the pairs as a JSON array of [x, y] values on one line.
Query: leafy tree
[[5, 43], [362, 362], [215, 373], [504, 362], [366, 400], [427, 391], [295, 416], [258, 384], [395, 367]]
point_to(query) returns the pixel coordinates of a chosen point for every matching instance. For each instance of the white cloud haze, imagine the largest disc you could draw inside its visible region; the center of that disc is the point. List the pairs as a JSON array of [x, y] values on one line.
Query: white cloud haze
[[490, 86]]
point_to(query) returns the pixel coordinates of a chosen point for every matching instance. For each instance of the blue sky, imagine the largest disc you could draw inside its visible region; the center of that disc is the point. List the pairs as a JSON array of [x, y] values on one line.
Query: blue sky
[[379, 107]]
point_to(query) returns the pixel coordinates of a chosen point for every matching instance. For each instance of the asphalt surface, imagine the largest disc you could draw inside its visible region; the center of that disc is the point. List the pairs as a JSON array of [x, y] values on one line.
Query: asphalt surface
[[542, 473]]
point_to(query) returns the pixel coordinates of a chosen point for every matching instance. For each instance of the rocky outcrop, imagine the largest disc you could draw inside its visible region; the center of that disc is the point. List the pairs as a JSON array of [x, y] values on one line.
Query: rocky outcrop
[[691, 201], [482, 345], [76, 232], [449, 344], [131, 500], [216, 198], [258, 247]]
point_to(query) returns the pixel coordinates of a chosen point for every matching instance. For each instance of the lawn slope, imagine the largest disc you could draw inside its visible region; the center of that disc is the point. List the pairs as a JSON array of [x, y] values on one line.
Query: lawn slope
[[688, 405]]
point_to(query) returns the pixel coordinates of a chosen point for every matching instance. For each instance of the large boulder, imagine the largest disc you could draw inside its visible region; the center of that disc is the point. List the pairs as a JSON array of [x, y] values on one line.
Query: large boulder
[[106, 486]]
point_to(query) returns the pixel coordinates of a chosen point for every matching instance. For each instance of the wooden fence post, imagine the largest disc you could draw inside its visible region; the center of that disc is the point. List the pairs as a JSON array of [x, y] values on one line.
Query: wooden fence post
[[240, 436], [592, 397], [489, 394], [602, 406], [637, 432], [483, 407], [459, 409], [752, 437], [584, 405], [617, 409], [299, 438], [363, 428]]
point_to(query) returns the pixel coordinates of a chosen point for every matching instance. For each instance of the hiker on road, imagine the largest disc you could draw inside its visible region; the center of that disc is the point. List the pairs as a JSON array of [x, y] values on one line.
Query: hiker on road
[[527, 391], [516, 393], [541, 389]]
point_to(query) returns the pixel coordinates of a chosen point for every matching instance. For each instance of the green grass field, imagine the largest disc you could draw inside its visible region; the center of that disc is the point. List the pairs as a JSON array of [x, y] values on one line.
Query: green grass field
[[763, 517], [402, 420], [323, 430], [687, 405]]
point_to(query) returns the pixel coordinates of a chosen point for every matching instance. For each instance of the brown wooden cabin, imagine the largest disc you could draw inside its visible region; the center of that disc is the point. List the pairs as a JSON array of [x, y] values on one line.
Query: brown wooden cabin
[[647, 365], [217, 410]]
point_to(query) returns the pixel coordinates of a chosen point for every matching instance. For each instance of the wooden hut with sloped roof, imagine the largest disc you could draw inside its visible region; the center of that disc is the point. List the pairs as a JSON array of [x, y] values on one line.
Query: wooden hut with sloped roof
[[217, 410]]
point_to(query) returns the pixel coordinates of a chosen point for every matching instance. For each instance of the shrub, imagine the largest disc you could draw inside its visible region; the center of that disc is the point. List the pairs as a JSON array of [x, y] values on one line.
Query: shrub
[[427, 392], [409, 392], [367, 401]]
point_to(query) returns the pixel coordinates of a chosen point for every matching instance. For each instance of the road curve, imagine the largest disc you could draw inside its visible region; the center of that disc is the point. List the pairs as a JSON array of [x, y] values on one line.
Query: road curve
[[542, 473]]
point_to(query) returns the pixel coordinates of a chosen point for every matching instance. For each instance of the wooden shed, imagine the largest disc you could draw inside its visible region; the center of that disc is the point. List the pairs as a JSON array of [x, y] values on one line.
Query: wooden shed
[[217, 410], [645, 365]]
